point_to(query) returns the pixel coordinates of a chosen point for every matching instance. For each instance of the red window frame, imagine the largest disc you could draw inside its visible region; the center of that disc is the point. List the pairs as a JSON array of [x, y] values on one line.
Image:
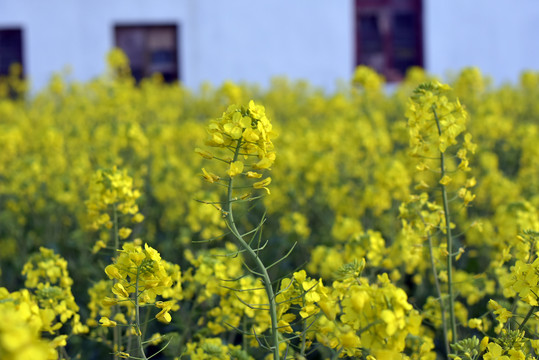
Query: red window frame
[[383, 47]]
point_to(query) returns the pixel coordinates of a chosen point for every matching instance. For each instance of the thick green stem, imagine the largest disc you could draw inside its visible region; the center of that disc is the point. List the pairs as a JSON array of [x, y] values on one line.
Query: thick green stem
[[253, 255], [449, 240]]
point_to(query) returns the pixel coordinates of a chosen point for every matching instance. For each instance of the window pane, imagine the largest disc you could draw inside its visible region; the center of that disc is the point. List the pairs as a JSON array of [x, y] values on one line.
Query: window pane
[[389, 36], [162, 52], [10, 49], [150, 49], [371, 42], [405, 41]]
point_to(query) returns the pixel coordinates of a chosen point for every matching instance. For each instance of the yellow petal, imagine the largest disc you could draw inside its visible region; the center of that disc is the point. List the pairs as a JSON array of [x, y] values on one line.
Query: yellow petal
[[445, 180]]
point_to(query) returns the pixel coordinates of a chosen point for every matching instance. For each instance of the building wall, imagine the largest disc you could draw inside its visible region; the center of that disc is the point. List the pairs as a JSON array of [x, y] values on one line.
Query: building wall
[[78, 34], [498, 36], [242, 40], [218, 40]]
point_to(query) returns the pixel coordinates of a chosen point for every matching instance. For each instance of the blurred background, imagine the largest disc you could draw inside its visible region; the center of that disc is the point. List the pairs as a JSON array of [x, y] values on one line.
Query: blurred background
[[322, 41]]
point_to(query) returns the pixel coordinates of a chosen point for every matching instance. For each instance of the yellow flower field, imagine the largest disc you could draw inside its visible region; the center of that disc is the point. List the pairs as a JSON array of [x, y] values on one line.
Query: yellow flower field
[[234, 222]]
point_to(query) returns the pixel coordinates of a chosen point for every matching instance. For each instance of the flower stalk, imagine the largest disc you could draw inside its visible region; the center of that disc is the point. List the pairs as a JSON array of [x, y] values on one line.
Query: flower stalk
[[437, 126], [246, 132], [137, 315], [449, 239], [263, 272]]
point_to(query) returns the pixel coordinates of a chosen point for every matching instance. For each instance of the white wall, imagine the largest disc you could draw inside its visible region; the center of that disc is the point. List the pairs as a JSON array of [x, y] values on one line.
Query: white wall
[[246, 40], [501, 37], [240, 40], [78, 34], [253, 40]]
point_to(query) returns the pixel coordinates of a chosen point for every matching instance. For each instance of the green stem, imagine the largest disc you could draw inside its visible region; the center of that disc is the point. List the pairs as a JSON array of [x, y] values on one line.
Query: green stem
[[117, 335], [244, 343], [253, 255], [449, 239], [303, 333], [146, 320], [439, 292], [116, 235], [528, 315], [137, 317]]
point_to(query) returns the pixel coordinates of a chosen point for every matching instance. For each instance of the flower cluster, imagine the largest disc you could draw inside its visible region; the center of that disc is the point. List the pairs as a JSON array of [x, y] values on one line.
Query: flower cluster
[[112, 195], [21, 325], [100, 290], [48, 279], [434, 124], [304, 295], [368, 79], [140, 276], [247, 133], [214, 349], [351, 315], [511, 345], [379, 313], [233, 298], [428, 106], [336, 210]]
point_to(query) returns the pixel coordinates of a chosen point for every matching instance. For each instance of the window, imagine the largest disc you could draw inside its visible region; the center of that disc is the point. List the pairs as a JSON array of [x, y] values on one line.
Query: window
[[389, 36], [150, 49], [10, 49]]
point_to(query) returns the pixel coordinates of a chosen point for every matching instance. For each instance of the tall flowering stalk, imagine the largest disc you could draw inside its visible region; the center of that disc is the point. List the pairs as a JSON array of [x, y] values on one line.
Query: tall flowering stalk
[[112, 202], [242, 138], [435, 125]]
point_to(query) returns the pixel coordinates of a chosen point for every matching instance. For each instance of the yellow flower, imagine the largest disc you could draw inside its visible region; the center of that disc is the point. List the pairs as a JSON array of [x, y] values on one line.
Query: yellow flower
[[502, 314], [475, 324], [328, 310], [152, 253], [253, 175], [120, 291], [484, 343], [263, 163], [165, 306], [138, 218], [113, 272], [124, 233], [209, 177], [349, 340], [495, 351], [263, 184], [59, 341], [137, 257], [108, 301], [284, 323], [106, 322], [236, 168], [391, 321], [204, 154], [445, 180], [163, 316]]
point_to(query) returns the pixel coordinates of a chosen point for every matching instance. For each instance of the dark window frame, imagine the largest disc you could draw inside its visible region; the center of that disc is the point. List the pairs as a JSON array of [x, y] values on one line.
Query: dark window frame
[[14, 32], [172, 56], [386, 13]]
